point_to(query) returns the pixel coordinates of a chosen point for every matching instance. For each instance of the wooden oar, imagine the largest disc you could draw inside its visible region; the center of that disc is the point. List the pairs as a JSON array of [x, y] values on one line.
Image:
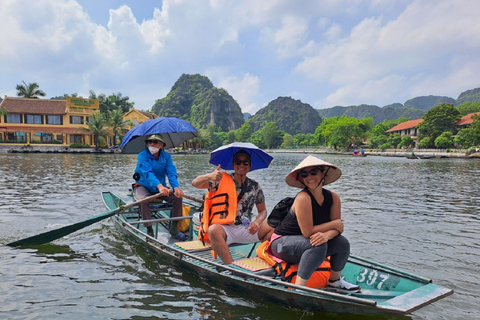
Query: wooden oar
[[161, 220], [193, 198], [63, 231]]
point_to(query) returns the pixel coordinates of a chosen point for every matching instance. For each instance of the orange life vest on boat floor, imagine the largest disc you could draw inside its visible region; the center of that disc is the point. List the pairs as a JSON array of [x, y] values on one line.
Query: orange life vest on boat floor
[[220, 206], [288, 271]]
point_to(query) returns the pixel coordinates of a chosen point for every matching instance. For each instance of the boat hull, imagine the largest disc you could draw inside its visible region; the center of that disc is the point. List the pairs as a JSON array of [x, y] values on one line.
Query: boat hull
[[384, 289]]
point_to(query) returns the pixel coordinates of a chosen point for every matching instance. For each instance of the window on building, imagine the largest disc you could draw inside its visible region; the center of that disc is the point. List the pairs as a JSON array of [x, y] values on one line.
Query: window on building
[[76, 119], [13, 118], [54, 119], [75, 138], [34, 118]]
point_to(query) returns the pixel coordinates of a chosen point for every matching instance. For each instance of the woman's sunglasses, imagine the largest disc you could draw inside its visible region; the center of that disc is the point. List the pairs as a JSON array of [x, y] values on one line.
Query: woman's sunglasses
[[312, 172], [239, 162]]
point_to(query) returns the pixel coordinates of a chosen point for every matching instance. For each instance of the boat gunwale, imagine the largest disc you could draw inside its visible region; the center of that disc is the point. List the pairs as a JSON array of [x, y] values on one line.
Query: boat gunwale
[[181, 257]]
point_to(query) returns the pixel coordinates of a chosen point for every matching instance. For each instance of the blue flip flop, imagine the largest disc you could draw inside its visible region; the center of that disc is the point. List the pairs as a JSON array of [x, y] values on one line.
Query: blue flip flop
[[181, 236]]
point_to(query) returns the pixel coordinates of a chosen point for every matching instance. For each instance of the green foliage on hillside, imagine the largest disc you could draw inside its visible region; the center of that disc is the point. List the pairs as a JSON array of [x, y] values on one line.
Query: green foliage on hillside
[[378, 114], [469, 96], [217, 107], [179, 100], [438, 120], [291, 116]]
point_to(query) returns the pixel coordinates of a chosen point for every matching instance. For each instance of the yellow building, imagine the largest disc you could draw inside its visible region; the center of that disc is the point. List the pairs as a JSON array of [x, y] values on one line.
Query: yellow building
[[137, 117], [43, 121]]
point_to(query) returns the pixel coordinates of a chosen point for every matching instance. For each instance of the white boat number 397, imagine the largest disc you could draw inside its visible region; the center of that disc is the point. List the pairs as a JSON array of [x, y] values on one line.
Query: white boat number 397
[[378, 280]]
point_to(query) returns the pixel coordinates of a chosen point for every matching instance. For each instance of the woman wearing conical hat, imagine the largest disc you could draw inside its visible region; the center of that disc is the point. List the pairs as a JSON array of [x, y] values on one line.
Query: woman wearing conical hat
[[312, 229]]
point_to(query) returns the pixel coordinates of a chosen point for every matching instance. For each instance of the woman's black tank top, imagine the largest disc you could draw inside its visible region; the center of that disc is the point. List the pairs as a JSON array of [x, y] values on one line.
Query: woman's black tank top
[[321, 214]]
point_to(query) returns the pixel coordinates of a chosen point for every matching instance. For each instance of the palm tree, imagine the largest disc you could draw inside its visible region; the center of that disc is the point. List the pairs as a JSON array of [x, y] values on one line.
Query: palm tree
[[30, 90], [96, 126], [117, 124], [3, 111]]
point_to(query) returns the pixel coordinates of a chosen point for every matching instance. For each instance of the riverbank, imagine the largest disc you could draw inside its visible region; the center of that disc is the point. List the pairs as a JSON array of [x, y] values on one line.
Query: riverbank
[[404, 153]]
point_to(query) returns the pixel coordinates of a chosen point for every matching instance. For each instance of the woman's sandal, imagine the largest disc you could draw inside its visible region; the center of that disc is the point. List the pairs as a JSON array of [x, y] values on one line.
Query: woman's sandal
[[181, 236]]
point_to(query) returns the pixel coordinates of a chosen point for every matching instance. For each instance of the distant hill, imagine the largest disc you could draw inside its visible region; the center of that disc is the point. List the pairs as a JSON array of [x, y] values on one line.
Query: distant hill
[[290, 115], [379, 114], [427, 102], [469, 96], [414, 108], [195, 99]]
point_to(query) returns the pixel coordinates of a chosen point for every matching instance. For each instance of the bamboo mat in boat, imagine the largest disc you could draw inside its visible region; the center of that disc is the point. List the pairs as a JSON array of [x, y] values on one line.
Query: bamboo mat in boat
[[192, 245], [252, 264]]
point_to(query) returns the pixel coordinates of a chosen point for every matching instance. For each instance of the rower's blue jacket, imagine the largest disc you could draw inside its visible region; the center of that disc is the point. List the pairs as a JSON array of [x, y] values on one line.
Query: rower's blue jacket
[[153, 172]]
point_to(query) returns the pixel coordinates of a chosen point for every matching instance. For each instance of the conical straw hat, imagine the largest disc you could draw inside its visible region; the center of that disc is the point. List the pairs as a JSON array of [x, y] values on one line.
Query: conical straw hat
[[332, 175]]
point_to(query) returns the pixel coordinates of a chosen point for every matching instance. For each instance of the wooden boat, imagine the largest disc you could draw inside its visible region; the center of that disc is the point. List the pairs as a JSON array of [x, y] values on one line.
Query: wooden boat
[[385, 290], [420, 157]]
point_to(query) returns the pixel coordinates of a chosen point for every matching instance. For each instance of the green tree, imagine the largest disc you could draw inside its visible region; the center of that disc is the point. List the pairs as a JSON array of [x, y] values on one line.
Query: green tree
[[444, 141], [244, 132], [3, 111], [97, 126], [470, 136], [469, 107], [112, 102], [231, 136], [424, 143], [395, 140], [438, 120], [271, 135], [118, 125], [257, 139], [343, 132], [287, 141], [305, 140], [378, 134], [406, 142], [30, 90]]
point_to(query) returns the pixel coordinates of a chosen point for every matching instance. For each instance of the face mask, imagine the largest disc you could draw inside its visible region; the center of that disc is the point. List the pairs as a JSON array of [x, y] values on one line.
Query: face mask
[[153, 150]]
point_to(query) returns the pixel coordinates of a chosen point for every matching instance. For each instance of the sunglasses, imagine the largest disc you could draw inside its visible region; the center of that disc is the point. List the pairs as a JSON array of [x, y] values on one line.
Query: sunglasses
[[244, 162], [312, 172], [153, 141]]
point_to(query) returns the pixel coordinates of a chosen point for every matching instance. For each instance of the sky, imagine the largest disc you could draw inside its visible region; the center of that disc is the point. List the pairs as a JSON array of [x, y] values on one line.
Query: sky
[[324, 53]]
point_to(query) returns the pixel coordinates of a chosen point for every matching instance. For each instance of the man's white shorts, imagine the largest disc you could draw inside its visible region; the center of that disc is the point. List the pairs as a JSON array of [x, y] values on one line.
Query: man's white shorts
[[239, 234]]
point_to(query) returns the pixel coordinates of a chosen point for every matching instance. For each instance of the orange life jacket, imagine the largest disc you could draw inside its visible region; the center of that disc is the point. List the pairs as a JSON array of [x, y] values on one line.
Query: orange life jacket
[[288, 271], [219, 207]]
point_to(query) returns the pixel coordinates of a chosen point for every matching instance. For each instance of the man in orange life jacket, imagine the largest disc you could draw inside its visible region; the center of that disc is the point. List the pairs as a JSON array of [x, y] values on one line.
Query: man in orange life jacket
[[249, 193]]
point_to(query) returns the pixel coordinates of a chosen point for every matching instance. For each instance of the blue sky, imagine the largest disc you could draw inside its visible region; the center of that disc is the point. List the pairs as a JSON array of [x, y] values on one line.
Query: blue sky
[[323, 52]]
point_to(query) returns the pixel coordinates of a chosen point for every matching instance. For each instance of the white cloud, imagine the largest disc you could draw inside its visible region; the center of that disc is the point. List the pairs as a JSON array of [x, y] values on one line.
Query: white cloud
[[242, 90], [324, 52]]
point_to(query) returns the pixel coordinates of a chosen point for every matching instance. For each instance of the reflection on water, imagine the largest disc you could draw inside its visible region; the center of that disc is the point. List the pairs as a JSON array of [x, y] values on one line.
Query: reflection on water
[[417, 215]]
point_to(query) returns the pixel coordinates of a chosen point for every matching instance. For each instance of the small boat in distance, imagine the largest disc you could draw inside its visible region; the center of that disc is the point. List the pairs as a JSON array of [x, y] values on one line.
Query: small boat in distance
[[385, 290]]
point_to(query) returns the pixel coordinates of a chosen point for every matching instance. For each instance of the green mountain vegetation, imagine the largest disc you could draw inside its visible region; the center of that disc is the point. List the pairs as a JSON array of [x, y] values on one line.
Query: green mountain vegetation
[[469, 96], [291, 116], [195, 99], [390, 112], [413, 108]]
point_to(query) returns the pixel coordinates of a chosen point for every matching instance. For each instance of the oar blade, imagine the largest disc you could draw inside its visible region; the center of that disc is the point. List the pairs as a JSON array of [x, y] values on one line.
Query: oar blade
[[61, 232]]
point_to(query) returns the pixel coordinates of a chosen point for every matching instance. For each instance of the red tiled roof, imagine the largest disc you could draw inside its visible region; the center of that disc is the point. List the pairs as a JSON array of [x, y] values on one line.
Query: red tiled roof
[[406, 125], [466, 119], [148, 114], [34, 106]]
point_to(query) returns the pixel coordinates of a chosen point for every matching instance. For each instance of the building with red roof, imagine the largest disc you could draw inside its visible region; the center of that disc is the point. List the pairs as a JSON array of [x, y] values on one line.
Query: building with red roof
[[47, 121]]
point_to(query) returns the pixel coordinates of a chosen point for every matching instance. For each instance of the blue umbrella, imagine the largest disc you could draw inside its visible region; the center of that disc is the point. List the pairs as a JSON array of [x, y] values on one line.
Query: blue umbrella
[[173, 130], [224, 155]]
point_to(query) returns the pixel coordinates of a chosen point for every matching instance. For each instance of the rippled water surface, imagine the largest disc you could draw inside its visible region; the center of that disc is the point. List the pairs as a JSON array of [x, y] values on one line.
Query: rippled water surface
[[418, 215]]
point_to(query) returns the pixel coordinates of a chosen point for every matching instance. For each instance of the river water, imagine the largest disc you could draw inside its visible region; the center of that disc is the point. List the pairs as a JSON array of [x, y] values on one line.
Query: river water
[[421, 216]]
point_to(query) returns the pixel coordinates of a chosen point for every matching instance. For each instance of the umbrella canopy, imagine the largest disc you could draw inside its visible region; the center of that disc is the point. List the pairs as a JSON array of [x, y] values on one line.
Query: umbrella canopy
[[173, 130], [224, 155]]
